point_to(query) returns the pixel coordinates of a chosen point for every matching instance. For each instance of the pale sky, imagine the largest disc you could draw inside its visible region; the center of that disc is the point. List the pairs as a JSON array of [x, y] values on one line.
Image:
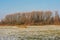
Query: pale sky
[[12, 6]]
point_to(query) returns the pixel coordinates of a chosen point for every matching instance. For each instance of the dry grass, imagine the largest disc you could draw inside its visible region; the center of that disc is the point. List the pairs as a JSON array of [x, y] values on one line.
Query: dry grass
[[21, 26]]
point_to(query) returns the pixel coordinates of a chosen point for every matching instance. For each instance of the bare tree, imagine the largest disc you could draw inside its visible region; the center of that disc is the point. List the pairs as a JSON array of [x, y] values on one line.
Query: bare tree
[[48, 17], [56, 17], [34, 17]]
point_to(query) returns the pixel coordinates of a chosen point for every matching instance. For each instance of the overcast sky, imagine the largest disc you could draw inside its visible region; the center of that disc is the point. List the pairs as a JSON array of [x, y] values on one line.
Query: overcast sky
[[12, 6]]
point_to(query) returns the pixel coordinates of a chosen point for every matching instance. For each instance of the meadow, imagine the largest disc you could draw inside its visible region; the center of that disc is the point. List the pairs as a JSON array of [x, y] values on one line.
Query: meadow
[[47, 32]]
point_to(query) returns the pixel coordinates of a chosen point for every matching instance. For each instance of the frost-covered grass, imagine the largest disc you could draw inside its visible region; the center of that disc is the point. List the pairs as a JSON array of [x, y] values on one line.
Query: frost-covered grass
[[48, 32]]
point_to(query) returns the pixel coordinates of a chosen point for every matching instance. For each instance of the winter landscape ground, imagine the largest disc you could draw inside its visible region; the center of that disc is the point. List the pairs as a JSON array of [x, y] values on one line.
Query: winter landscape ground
[[47, 32]]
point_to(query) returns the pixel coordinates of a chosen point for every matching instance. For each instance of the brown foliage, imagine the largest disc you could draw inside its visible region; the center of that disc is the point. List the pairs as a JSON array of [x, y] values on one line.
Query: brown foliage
[[32, 18]]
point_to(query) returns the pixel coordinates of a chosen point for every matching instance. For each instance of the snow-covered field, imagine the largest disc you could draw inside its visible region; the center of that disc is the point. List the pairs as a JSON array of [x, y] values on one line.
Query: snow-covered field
[[47, 32]]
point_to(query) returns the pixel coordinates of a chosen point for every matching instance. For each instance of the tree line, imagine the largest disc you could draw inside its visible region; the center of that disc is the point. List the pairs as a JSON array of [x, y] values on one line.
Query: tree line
[[32, 18]]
